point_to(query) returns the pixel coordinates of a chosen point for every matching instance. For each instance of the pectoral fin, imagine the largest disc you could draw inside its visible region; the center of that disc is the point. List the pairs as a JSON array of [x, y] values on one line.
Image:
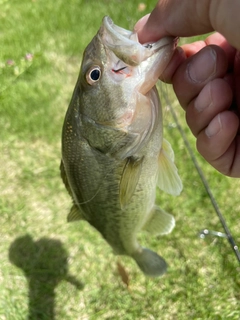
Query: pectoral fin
[[129, 180], [168, 178], [160, 222], [75, 214]]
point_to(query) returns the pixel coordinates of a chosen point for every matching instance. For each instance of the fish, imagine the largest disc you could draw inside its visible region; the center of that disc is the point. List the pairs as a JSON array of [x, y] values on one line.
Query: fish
[[114, 155]]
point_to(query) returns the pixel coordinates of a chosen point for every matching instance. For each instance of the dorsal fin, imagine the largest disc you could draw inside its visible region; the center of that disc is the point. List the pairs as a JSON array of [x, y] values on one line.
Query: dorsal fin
[[75, 214]]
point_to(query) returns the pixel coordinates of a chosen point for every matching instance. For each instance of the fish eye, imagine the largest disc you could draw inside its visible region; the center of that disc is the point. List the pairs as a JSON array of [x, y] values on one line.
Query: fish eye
[[93, 75]]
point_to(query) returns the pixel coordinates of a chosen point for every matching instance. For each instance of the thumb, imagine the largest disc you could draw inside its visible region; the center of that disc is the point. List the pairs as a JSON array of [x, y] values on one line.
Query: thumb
[[188, 18]]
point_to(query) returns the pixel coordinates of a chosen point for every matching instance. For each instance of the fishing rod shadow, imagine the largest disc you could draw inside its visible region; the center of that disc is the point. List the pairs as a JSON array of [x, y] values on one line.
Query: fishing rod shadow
[[45, 265]]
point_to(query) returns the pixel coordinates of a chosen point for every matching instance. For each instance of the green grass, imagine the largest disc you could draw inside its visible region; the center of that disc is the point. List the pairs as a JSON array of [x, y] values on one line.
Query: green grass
[[54, 270]]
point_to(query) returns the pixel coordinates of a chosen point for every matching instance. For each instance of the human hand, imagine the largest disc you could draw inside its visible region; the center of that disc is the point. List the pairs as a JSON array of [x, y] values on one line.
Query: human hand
[[206, 79], [188, 18]]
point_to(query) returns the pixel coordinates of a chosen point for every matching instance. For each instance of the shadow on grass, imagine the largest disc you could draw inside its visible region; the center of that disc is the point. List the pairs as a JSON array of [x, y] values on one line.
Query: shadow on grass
[[45, 264]]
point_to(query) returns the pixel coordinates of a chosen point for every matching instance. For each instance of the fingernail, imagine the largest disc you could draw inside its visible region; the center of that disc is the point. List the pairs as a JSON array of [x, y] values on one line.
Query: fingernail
[[203, 65], [141, 22], [214, 127]]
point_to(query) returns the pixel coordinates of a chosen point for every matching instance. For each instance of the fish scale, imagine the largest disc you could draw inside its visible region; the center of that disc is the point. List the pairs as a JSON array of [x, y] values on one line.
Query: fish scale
[[113, 152]]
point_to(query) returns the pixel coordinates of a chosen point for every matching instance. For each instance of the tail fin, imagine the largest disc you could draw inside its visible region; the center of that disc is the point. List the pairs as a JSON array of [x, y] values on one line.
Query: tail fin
[[150, 263]]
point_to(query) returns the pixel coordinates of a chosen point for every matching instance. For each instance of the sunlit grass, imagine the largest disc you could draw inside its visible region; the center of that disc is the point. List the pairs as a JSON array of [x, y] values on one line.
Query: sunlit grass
[[54, 270]]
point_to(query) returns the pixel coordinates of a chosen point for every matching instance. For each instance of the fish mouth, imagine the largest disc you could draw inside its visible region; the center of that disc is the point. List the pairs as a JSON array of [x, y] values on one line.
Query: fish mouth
[[126, 46]]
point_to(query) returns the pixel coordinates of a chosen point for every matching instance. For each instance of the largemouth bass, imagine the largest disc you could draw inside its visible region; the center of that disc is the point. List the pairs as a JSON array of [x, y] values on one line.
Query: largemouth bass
[[113, 151]]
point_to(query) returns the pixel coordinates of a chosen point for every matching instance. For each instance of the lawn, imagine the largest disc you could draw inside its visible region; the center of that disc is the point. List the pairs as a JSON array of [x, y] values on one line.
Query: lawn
[[52, 270]]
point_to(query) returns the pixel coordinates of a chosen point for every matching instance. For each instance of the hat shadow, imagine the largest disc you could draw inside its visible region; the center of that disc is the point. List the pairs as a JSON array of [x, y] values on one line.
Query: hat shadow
[[45, 264]]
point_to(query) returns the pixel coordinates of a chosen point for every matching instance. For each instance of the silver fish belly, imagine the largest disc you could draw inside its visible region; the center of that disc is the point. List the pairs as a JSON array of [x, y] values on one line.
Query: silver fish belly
[[113, 152]]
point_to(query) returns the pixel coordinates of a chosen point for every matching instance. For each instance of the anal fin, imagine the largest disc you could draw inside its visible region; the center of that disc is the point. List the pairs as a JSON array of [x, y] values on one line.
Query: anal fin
[[160, 222]]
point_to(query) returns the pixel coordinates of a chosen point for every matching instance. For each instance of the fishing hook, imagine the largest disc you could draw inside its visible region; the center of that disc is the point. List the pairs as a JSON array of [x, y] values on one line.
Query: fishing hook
[[116, 71]]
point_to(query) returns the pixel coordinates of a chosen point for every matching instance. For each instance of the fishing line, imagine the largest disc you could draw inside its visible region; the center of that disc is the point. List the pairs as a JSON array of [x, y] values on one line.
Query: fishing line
[[205, 183]]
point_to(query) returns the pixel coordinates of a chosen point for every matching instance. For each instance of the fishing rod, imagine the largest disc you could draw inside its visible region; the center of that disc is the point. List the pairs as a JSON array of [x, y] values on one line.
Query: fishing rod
[[204, 232]]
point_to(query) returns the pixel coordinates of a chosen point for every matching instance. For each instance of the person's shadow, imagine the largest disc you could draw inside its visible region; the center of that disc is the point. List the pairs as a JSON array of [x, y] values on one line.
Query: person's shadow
[[45, 264]]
